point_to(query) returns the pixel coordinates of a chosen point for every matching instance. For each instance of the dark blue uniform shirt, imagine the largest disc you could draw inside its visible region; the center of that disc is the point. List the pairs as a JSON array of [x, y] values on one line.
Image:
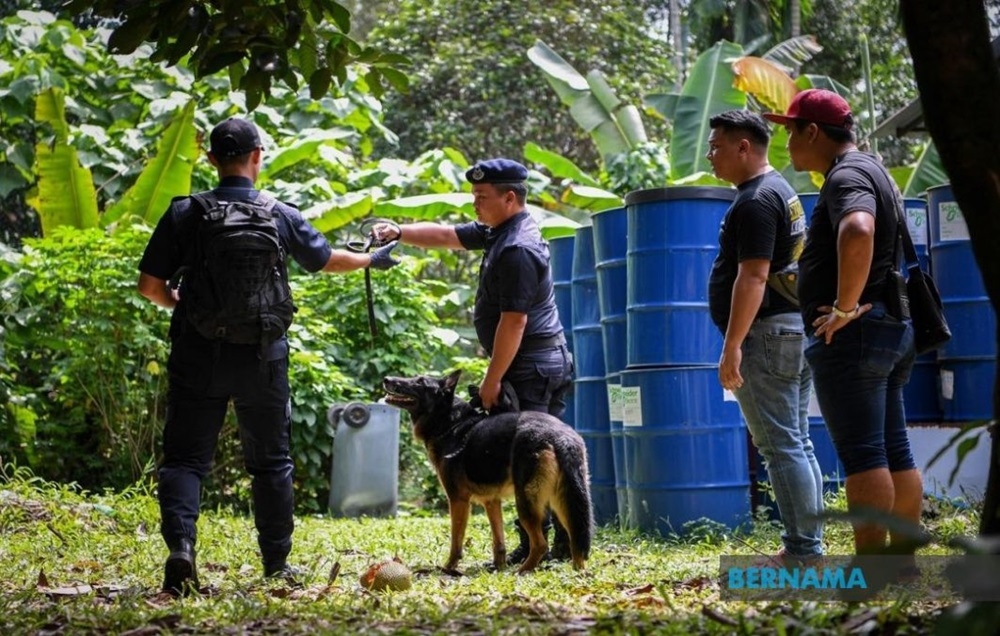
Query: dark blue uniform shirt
[[514, 276], [172, 244]]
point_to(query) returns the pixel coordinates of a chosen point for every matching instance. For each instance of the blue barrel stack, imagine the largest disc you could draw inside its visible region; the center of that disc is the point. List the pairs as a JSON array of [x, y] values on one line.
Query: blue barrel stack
[[610, 232], [968, 360], [561, 258], [684, 442], [590, 390]]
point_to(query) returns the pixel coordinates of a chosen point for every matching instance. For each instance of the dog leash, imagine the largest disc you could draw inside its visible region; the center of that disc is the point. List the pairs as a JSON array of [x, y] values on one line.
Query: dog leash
[[365, 247]]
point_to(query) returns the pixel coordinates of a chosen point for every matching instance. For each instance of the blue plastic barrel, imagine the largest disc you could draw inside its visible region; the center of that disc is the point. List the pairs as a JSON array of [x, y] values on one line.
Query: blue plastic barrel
[[561, 255], [920, 394], [609, 256], [808, 200], [968, 360], [612, 280], [673, 238], [590, 392], [614, 382], [686, 450]]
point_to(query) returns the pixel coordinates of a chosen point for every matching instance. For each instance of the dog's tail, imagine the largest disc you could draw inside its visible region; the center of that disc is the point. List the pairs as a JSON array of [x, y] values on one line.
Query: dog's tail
[[574, 508]]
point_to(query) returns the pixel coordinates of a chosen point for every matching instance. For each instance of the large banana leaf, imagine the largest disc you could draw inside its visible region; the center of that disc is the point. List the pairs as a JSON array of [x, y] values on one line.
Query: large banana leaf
[[426, 207], [304, 149], [168, 174], [557, 227], [766, 81], [927, 173], [590, 198], [557, 165], [66, 194], [593, 104], [339, 211], [793, 52], [708, 91]]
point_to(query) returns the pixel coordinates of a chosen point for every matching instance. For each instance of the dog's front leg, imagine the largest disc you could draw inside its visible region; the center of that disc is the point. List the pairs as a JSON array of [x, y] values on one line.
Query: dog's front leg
[[495, 514], [458, 510]]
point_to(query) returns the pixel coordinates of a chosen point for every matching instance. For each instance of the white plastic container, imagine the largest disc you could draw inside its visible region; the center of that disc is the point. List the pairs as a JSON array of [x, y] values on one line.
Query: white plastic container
[[364, 478]]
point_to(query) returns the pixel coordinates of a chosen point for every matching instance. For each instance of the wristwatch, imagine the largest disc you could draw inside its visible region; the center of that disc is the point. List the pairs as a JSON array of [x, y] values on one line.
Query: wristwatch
[[840, 313]]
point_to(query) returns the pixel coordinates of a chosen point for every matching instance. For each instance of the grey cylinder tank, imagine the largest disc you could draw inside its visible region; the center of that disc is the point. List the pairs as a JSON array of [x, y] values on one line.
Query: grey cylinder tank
[[364, 478]]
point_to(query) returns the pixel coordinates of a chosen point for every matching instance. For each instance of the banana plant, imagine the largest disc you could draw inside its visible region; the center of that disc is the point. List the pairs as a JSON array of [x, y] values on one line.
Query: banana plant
[[707, 91], [926, 172], [65, 194], [167, 175], [614, 126]]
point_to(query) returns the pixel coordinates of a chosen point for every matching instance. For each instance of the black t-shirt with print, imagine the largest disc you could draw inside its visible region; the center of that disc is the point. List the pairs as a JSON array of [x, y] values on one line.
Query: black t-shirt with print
[[765, 221]]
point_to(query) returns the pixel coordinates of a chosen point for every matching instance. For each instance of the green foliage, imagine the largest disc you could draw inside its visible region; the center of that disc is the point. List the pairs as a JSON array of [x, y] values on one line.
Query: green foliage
[[633, 584], [645, 166], [474, 88], [85, 356], [84, 362], [292, 41], [120, 109]]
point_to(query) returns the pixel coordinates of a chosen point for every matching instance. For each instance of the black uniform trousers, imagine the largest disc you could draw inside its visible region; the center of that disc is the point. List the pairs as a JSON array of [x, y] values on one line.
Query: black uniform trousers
[[204, 377], [541, 379]]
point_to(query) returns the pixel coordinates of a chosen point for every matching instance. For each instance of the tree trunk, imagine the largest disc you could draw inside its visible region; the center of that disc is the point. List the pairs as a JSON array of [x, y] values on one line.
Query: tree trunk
[[959, 86], [677, 41]]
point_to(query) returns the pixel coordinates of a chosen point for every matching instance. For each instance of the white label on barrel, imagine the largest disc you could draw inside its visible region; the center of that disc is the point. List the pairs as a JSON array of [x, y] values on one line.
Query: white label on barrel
[[631, 406], [916, 222], [615, 402], [728, 396], [952, 223], [948, 385]]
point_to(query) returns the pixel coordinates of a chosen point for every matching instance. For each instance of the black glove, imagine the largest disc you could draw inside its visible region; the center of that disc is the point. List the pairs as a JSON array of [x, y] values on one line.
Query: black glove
[[382, 258]]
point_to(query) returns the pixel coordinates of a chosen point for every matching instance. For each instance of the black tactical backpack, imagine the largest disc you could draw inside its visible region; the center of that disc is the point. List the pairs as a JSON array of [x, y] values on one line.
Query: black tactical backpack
[[237, 290]]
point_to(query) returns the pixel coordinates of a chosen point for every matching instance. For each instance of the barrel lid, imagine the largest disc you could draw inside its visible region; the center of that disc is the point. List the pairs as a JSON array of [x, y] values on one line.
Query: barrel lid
[[607, 211], [938, 188], [653, 195]]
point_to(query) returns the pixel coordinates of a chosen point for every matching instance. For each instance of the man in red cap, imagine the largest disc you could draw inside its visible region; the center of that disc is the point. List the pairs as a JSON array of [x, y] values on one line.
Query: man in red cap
[[860, 353]]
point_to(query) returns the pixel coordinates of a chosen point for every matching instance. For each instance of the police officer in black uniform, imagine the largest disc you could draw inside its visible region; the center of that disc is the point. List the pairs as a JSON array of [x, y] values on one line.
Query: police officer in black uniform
[[516, 319], [204, 375]]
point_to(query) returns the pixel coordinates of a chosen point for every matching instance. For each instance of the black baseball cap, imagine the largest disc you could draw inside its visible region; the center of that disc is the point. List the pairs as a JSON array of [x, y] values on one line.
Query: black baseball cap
[[233, 138]]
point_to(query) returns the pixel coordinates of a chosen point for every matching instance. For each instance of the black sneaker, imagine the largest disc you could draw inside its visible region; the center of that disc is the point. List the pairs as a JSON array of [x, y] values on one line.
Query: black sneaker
[[559, 548], [180, 575], [519, 554]]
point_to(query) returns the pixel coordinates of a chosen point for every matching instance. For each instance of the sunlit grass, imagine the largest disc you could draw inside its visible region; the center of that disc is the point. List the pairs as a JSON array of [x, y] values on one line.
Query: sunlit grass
[[84, 562]]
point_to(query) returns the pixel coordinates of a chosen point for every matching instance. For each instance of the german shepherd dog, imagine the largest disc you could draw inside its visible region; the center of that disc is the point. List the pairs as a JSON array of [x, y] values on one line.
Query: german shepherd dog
[[484, 458]]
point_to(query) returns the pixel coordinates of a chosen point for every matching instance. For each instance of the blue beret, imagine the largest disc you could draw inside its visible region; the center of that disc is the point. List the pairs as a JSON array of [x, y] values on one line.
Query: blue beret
[[496, 171]]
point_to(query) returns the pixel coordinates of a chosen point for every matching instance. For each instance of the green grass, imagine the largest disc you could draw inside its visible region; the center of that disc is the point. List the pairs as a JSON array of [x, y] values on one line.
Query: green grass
[[77, 562]]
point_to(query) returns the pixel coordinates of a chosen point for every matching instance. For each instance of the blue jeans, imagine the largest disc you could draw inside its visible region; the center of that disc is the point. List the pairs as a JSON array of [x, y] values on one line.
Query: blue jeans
[[859, 381], [774, 399]]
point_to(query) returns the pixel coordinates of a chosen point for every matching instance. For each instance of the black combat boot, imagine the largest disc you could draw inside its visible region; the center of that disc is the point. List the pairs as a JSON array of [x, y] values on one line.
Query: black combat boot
[[180, 574]]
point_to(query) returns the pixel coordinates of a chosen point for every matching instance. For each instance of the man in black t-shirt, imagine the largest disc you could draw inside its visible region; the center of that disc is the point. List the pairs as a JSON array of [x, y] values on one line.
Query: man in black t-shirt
[[860, 354], [762, 359]]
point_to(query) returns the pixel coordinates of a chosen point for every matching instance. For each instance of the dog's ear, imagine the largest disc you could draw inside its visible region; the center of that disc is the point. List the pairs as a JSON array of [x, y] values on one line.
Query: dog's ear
[[451, 381]]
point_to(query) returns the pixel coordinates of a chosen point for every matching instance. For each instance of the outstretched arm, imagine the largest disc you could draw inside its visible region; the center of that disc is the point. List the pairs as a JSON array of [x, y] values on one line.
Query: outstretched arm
[[422, 234]]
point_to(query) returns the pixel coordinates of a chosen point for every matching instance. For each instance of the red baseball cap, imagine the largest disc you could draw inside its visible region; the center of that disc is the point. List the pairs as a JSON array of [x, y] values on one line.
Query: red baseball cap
[[816, 105]]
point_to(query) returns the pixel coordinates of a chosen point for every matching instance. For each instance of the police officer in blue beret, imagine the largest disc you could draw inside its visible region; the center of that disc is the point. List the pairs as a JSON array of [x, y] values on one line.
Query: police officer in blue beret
[[515, 315]]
